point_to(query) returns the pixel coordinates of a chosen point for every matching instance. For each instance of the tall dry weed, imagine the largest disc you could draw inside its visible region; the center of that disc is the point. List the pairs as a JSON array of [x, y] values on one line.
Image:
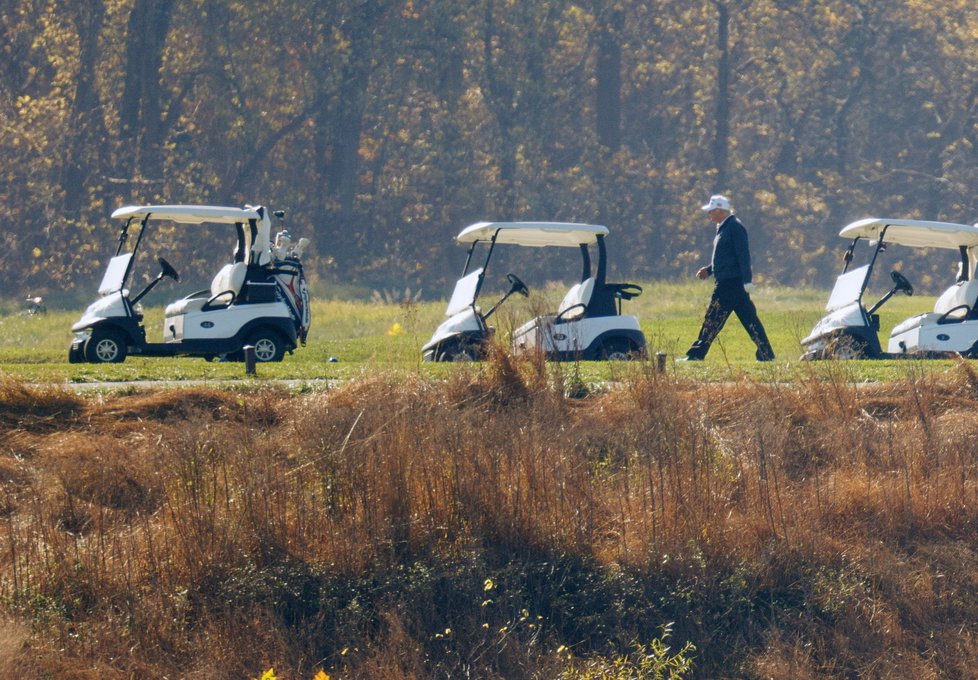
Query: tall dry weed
[[398, 527], [36, 409]]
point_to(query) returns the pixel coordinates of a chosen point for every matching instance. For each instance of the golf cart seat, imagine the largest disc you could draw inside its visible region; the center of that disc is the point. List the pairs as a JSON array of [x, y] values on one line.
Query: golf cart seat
[[957, 303], [224, 290], [608, 297], [575, 302]]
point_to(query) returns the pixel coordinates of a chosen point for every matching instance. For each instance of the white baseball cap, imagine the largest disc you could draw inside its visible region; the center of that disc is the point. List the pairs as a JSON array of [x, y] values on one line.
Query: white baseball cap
[[718, 202]]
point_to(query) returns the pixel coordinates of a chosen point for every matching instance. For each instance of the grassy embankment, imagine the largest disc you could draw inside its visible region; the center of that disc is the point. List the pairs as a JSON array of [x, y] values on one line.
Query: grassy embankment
[[486, 525]]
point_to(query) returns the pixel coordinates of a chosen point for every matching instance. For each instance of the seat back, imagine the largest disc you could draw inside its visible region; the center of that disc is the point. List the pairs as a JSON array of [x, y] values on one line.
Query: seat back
[[227, 283], [579, 296], [961, 298]]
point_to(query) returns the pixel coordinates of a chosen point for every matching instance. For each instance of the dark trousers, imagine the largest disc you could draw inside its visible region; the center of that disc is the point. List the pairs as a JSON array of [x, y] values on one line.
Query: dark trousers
[[729, 296]]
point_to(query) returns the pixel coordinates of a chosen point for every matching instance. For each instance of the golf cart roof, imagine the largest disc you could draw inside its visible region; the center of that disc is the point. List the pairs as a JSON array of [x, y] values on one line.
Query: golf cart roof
[[914, 233], [252, 225], [189, 214], [534, 234]]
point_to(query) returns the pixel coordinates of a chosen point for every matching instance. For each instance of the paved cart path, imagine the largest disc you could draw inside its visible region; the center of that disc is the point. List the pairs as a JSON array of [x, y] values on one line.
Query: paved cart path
[[288, 383]]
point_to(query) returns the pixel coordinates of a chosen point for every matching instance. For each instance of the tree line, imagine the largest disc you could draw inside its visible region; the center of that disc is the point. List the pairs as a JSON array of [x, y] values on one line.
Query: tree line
[[384, 126]]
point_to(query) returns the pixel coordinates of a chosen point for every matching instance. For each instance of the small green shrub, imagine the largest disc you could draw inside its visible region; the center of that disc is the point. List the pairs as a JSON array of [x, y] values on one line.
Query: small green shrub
[[651, 661]]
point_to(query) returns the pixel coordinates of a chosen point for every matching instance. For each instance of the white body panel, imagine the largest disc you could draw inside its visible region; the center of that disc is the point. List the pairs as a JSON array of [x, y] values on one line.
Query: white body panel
[[106, 307], [848, 316], [946, 329], [923, 334], [575, 336], [465, 321], [219, 323]]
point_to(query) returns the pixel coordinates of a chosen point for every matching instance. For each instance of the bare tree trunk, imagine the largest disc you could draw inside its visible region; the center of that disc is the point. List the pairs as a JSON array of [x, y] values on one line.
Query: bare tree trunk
[[140, 111], [339, 129], [608, 73], [721, 142], [154, 131], [86, 124], [501, 100], [342, 164], [860, 39]]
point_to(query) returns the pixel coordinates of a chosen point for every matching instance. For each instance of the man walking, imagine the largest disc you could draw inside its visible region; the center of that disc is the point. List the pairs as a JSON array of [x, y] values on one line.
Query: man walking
[[730, 268]]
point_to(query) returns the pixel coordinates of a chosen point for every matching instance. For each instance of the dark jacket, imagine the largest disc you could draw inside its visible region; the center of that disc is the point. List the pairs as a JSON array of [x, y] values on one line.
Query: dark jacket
[[731, 252]]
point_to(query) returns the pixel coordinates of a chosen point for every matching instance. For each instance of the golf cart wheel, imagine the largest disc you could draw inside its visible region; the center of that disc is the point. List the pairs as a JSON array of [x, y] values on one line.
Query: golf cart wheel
[[458, 352], [617, 350], [846, 347], [75, 354], [268, 346], [105, 347]]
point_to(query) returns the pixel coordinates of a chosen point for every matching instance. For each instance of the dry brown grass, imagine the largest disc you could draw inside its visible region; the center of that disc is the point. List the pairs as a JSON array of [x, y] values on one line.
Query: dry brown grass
[[396, 528], [36, 410]]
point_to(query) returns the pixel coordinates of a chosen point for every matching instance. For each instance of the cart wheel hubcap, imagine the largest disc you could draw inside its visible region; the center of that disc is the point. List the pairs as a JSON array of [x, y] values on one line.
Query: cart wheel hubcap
[[264, 349], [106, 350]]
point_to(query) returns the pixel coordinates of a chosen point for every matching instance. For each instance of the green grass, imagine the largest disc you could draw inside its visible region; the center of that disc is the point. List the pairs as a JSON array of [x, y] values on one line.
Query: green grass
[[365, 336]]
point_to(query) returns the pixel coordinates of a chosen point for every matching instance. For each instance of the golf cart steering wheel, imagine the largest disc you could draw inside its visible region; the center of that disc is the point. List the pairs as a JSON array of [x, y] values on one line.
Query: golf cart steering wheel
[[901, 283], [168, 269], [518, 286]]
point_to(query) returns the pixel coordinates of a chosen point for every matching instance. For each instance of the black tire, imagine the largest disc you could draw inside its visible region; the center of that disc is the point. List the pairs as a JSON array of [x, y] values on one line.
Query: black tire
[[105, 347], [846, 347], [458, 352], [268, 345], [617, 349], [75, 354]]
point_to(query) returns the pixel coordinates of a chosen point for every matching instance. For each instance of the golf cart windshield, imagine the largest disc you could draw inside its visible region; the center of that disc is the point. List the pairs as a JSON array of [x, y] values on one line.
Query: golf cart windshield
[[848, 288], [464, 294], [115, 274]]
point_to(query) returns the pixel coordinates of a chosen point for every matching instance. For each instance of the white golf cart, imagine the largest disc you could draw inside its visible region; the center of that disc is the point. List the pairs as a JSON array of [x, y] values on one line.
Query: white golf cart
[[259, 299], [587, 325], [849, 330]]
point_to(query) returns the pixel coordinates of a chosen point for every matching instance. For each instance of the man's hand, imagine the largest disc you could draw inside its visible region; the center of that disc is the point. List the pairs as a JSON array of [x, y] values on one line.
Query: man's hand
[[703, 273], [749, 287]]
